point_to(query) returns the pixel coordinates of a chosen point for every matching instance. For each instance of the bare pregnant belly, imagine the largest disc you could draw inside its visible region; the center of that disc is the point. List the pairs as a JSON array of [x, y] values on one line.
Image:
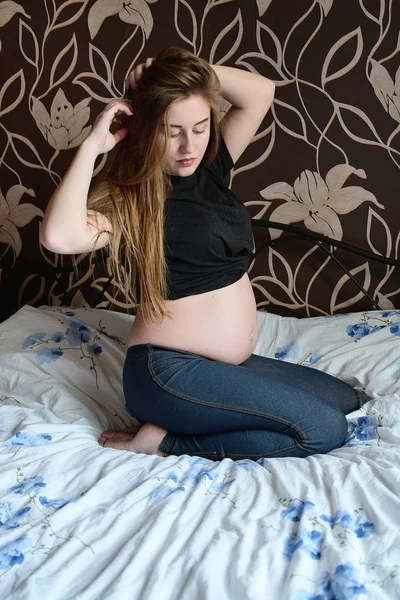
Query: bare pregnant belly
[[221, 324]]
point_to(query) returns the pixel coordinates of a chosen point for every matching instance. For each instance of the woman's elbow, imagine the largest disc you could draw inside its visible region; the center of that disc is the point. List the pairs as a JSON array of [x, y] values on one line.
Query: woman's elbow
[[270, 87], [50, 242], [269, 92]]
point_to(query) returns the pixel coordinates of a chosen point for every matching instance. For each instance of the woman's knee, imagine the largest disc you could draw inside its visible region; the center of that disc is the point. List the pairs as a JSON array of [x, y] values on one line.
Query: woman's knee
[[350, 400], [329, 431]]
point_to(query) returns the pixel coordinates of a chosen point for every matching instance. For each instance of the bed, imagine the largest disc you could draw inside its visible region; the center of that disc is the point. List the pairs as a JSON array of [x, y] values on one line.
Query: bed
[[79, 521]]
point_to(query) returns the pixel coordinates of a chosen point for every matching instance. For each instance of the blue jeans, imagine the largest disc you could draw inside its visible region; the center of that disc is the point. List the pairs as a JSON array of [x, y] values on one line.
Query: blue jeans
[[260, 408]]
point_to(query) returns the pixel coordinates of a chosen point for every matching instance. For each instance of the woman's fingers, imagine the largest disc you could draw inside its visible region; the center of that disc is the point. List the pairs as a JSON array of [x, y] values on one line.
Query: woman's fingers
[[100, 133], [133, 78], [114, 109], [122, 105], [120, 134], [135, 75]]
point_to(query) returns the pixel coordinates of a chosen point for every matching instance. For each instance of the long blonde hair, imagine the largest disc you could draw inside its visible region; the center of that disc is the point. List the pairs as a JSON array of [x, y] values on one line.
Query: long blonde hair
[[134, 186]]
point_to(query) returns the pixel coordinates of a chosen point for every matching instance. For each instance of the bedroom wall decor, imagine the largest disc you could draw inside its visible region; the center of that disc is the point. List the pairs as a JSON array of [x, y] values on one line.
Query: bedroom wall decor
[[326, 157]]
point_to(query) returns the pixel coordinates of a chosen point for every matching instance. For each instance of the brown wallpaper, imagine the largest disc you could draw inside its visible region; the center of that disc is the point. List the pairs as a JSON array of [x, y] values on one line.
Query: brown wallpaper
[[326, 157]]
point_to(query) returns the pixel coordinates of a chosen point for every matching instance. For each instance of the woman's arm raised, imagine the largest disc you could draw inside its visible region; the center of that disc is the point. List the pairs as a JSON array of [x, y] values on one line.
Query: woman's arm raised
[[67, 226], [251, 95]]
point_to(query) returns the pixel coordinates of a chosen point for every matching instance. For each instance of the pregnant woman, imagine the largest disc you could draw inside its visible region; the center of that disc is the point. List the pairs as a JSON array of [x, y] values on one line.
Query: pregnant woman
[[180, 243]]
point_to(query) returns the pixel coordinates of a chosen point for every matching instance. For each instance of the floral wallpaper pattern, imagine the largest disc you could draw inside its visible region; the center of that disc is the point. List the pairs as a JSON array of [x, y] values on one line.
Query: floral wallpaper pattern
[[325, 158]]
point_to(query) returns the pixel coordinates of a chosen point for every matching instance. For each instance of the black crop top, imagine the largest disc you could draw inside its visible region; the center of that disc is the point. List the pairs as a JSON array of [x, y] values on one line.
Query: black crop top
[[208, 237]]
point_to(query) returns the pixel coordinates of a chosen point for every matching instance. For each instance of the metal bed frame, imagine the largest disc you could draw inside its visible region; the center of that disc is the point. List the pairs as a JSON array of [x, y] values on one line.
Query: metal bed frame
[[323, 242], [320, 240], [294, 233]]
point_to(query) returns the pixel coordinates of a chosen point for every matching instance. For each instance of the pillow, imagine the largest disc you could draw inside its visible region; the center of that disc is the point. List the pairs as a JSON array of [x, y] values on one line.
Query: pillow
[[361, 348], [48, 354]]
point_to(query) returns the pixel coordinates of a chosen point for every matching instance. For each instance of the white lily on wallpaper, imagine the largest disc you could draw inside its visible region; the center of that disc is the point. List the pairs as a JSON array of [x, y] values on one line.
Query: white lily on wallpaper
[[318, 202], [386, 90], [134, 12], [8, 10], [64, 127], [14, 215]]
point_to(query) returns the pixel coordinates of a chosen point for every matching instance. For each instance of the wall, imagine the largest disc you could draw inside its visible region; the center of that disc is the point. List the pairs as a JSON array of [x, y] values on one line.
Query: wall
[[325, 158]]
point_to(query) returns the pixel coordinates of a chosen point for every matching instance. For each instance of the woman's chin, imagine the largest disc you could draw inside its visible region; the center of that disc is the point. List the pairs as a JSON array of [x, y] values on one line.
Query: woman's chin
[[182, 170]]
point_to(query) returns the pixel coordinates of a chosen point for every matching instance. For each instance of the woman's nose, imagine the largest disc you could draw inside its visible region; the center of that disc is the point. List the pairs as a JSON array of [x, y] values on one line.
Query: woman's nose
[[188, 143]]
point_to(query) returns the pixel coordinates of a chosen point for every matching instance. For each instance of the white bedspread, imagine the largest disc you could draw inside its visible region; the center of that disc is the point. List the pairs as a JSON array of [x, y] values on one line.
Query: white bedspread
[[78, 521]]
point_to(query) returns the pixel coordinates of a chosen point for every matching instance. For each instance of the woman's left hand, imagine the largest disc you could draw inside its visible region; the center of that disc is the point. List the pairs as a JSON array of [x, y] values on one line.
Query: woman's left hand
[[135, 75]]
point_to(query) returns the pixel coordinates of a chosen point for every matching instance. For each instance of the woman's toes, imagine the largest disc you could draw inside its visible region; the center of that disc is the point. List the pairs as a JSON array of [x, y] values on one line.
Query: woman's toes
[[106, 435], [112, 433], [109, 432], [107, 443], [123, 441]]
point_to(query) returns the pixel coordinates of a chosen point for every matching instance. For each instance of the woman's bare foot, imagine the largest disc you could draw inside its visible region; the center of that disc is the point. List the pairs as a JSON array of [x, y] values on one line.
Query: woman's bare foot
[[115, 434], [140, 439]]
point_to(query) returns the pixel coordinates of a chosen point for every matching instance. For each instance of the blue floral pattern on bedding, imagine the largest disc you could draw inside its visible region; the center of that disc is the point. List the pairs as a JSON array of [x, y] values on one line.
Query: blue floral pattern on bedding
[[12, 517], [12, 553], [25, 438], [292, 352], [202, 473], [311, 540], [77, 336], [345, 584], [372, 323], [364, 430]]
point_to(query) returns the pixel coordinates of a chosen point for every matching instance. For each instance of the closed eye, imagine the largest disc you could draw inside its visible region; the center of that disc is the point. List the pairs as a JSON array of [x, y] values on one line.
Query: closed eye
[[175, 135]]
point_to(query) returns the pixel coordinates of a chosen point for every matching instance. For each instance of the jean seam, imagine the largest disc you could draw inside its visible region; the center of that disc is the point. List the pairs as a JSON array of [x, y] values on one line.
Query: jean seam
[[197, 401], [203, 454], [271, 454]]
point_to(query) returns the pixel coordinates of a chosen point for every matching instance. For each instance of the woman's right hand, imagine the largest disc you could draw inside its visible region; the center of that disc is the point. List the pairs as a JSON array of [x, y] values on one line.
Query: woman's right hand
[[100, 136]]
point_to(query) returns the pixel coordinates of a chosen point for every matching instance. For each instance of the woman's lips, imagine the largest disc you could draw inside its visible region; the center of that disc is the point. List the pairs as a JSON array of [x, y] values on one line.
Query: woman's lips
[[186, 162]]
